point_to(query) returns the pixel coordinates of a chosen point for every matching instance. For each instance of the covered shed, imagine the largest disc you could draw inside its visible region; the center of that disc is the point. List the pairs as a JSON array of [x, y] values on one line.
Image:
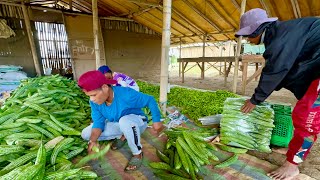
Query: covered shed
[[126, 34], [131, 36], [191, 21]]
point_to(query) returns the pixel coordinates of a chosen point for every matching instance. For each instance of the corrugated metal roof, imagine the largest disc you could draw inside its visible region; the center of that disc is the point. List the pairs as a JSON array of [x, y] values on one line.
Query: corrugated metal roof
[[191, 19]]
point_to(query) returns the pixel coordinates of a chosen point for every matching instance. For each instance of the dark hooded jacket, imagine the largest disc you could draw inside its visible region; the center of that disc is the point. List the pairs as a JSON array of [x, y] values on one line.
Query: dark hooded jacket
[[292, 57]]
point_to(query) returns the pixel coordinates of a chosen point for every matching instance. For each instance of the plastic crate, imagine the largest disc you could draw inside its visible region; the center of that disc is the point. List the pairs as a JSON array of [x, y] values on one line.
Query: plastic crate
[[281, 109], [283, 131]]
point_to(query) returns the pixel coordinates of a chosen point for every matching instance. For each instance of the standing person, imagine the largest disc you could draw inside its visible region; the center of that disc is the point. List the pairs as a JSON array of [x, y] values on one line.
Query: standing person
[[122, 79], [293, 62], [116, 114]]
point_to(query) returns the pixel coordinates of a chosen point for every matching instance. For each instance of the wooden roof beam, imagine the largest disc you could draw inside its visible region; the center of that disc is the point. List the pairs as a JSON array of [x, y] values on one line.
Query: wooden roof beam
[[81, 7], [143, 2], [70, 4], [137, 13], [296, 8], [161, 21], [217, 12], [269, 6], [230, 18], [155, 5], [117, 18], [104, 8], [213, 33], [41, 2], [182, 26], [265, 7], [176, 12], [11, 4], [86, 4], [235, 3], [203, 16]]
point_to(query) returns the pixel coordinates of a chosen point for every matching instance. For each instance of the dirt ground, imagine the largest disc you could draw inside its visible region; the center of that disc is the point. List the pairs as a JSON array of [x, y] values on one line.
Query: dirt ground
[[214, 81]]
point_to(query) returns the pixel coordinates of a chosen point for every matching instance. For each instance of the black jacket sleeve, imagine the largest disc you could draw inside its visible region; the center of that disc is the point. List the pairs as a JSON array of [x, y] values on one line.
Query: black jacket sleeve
[[282, 50]]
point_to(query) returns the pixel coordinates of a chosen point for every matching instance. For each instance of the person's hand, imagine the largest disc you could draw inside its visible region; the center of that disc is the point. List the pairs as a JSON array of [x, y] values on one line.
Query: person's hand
[[91, 145], [158, 127], [247, 107]]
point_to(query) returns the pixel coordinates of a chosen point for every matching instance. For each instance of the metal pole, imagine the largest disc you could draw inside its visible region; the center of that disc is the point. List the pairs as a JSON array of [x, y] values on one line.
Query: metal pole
[[236, 66], [165, 54], [31, 40], [96, 32]]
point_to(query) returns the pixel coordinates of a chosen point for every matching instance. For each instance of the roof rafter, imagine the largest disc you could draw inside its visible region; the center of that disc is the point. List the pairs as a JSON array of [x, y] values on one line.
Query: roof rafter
[[269, 5], [175, 21], [296, 8], [219, 14], [235, 3], [42, 2], [161, 21], [203, 16], [265, 7], [103, 7], [223, 32], [222, 7], [148, 25], [176, 12], [137, 13], [145, 3], [81, 7], [120, 7]]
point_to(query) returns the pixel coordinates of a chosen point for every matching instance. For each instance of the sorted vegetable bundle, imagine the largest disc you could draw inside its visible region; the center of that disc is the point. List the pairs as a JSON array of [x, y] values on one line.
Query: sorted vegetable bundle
[[51, 110], [185, 152], [250, 131]]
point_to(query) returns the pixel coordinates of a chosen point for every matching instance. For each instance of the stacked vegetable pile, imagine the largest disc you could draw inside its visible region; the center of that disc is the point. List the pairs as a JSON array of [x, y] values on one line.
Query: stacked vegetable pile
[[193, 103], [47, 110], [250, 131], [185, 152]]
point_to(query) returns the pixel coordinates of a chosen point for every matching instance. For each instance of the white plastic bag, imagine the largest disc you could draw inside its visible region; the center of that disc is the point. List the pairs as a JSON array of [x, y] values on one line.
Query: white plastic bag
[[14, 76], [209, 120]]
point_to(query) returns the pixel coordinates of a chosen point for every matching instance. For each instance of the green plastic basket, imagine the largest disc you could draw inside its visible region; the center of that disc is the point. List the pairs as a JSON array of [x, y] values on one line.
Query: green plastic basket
[[282, 109], [283, 131]]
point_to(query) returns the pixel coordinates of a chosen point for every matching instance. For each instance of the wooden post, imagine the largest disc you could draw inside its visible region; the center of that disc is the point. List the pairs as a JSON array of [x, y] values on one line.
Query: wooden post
[[31, 40], [96, 32], [203, 54], [220, 62], [244, 76], [180, 58], [183, 68], [257, 67], [225, 73], [236, 66], [165, 54], [70, 49], [70, 5]]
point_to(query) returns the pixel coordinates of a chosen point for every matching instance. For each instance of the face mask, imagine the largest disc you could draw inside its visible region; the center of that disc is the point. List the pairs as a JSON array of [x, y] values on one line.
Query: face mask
[[262, 37]]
